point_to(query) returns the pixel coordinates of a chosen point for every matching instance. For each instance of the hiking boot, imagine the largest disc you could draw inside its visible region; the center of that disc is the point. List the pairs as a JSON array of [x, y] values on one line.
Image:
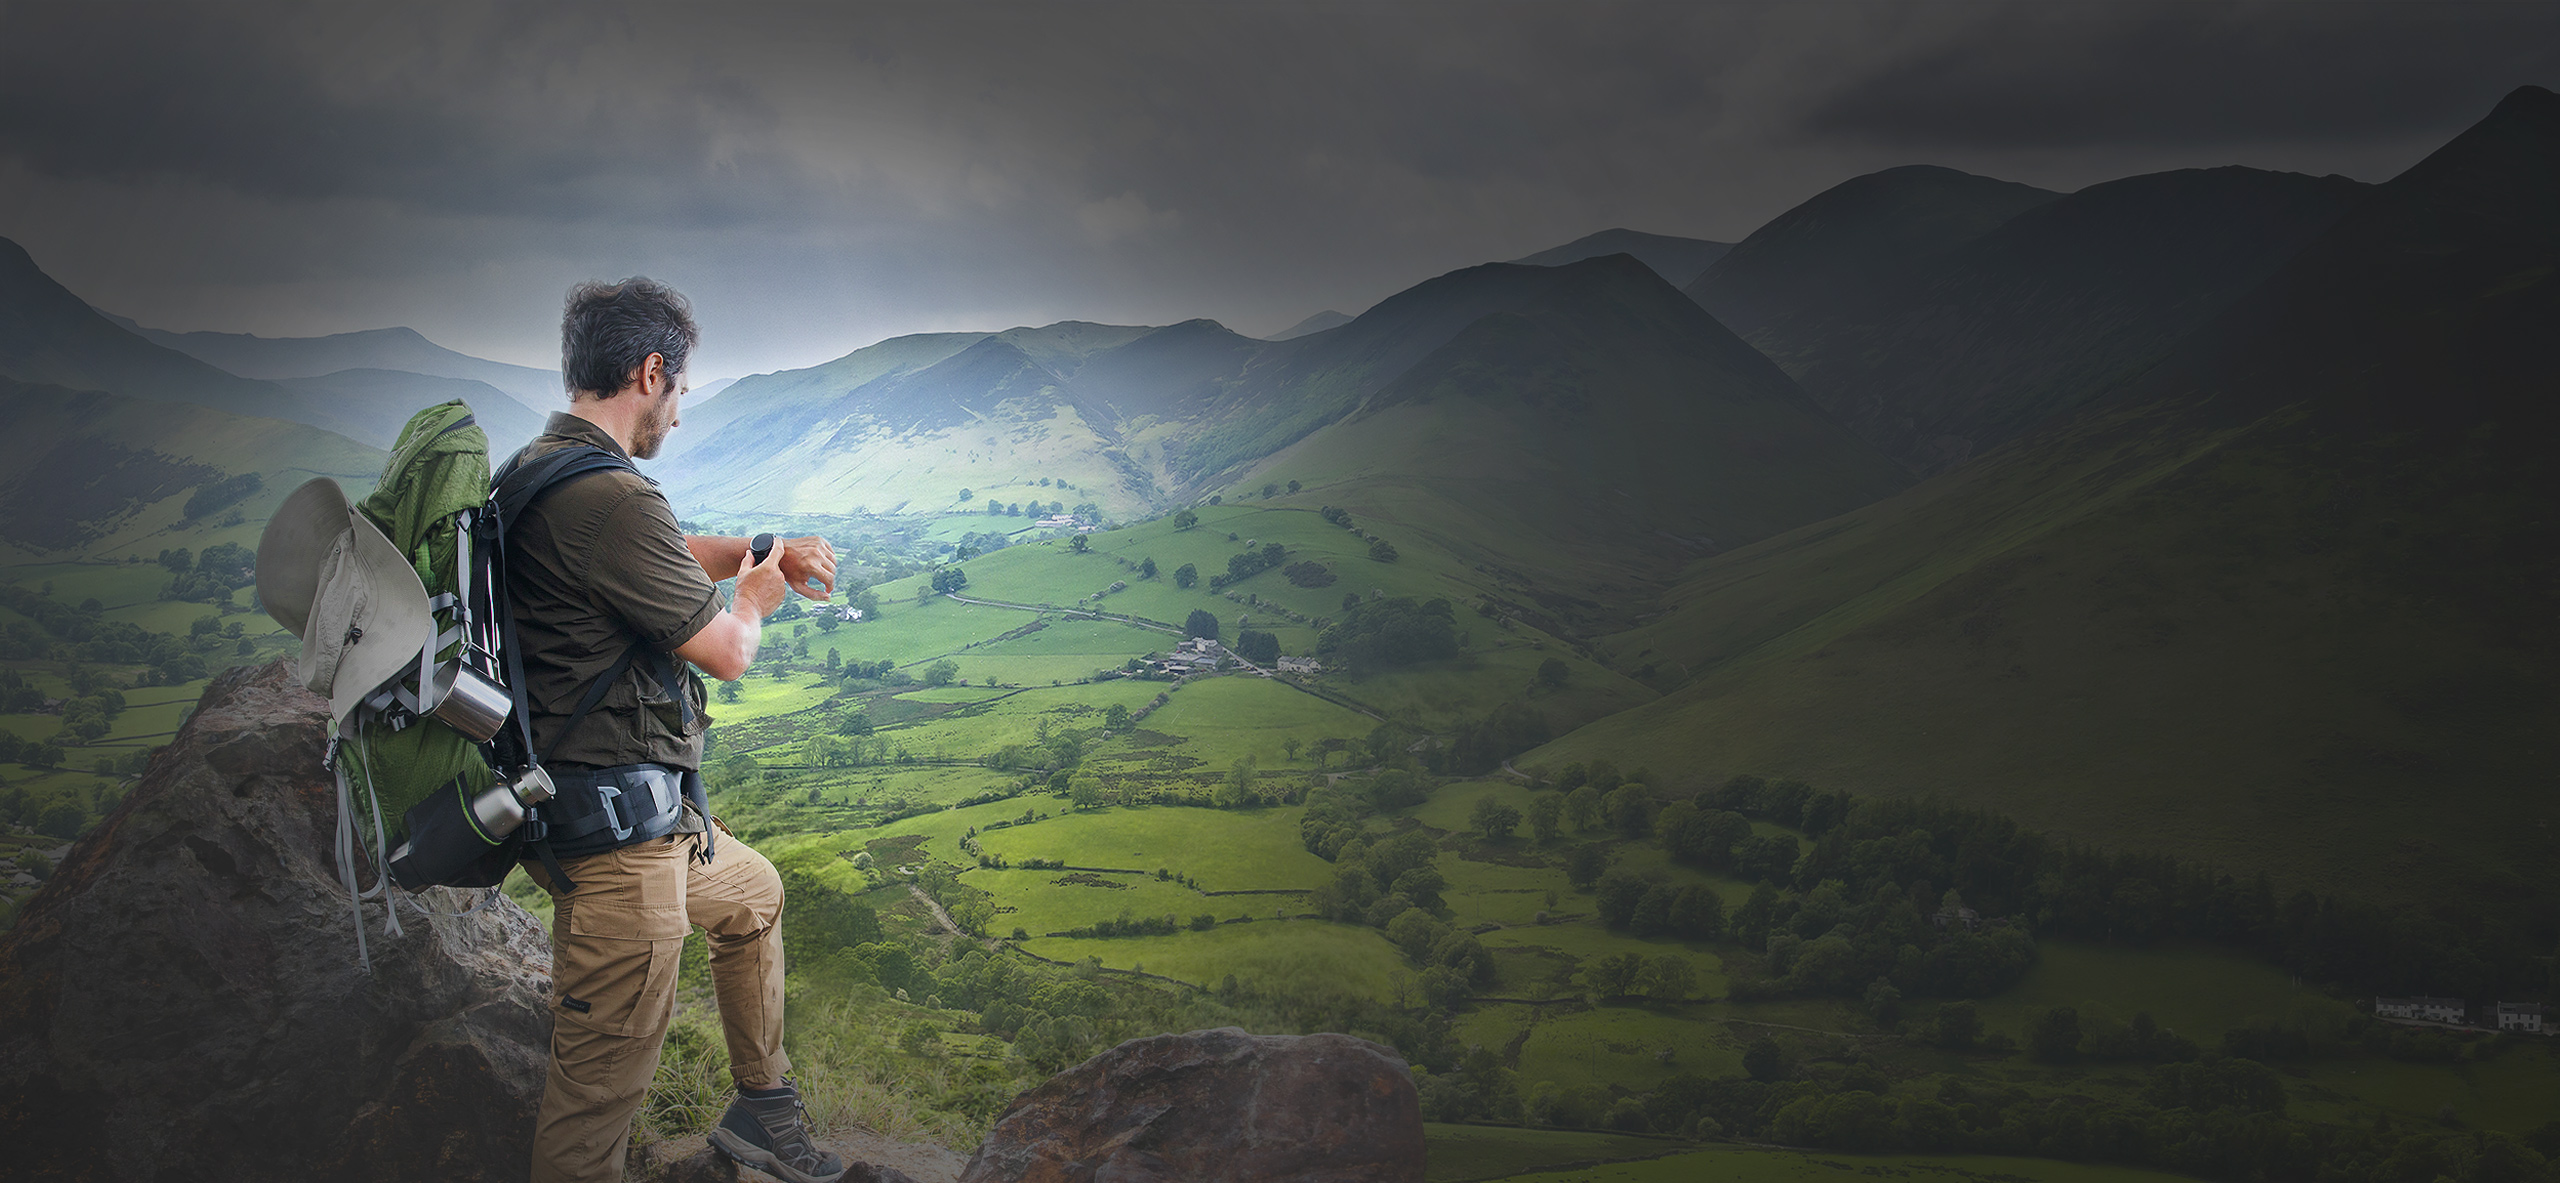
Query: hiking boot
[[771, 1134]]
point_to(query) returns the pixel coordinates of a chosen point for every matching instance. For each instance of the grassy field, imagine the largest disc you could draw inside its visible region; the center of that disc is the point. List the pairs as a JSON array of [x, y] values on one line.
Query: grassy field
[[1280, 956], [1751, 1164], [1221, 850], [1466, 1153], [1218, 721], [2199, 993]]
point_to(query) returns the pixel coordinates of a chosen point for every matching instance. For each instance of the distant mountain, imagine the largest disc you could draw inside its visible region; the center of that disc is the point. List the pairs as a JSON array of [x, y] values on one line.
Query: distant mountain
[[2282, 603], [1865, 233], [1583, 441], [2051, 309], [1677, 260], [709, 390], [1587, 410], [50, 336], [106, 477], [1327, 319], [372, 349], [378, 403]]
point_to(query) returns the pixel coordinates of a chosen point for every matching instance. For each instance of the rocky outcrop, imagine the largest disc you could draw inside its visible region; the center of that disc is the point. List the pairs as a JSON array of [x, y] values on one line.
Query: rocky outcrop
[[1217, 1104], [183, 999]]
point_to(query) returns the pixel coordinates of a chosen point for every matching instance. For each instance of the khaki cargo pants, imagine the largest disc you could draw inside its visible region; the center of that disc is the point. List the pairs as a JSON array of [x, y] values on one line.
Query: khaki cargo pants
[[614, 945]]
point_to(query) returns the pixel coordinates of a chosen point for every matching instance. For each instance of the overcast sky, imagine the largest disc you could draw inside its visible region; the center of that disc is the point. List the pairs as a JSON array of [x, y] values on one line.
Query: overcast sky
[[818, 177]]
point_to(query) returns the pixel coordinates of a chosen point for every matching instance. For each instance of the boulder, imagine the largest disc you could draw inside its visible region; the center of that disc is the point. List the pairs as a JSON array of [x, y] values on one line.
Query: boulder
[[1219, 1104], [183, 998]]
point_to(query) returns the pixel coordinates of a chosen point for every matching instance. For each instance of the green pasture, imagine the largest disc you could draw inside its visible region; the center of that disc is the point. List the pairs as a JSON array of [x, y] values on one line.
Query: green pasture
[[1756, 1164], [1222, 850], [1273, 956], [943, 695], [978, 729], [929, 782], [1053, 901], [1467, 1153], [908, 632], [2199, 993], [1493, 893], [1451, 804], [1612, 1045], [1586, 941], [2515, 1090], [1222, 720]]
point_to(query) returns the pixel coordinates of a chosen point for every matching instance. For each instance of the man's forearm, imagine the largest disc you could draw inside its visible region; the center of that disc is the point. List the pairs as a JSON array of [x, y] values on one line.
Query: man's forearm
[[719, 556]]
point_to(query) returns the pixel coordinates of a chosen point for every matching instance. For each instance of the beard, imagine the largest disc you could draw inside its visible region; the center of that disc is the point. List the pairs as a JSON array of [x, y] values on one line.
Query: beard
[[651, 432]]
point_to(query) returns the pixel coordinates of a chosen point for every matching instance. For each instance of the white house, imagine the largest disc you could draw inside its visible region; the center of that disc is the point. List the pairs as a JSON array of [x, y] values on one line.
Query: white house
[[2434, 1010], [2520, 1016], [1300, 665]]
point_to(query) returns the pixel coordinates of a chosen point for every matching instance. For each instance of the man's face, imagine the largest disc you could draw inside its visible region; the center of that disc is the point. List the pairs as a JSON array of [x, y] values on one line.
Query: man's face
[[658, 419]]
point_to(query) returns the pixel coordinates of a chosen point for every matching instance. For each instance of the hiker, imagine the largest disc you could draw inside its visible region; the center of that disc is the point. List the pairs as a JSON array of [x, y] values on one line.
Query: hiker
[[601, 579]]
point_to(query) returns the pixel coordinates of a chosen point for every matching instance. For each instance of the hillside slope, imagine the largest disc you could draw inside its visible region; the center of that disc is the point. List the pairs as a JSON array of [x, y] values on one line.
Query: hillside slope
[[1587, 443], [1676, 260], [107, 477], [371, 349], [2055, 307], [2283, 603], [1864, 234]]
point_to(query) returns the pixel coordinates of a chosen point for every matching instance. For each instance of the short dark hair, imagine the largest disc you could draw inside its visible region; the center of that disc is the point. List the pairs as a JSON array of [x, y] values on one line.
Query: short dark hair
[[609, 329]]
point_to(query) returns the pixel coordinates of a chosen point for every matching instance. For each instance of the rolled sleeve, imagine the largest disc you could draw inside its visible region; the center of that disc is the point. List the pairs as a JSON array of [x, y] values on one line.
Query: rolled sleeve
[[644, 575]]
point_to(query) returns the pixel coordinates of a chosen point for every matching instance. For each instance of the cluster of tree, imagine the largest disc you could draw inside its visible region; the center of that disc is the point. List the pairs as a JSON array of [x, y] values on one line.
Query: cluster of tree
[[1257, 646], [1336, 515], [16, 696], [221, 494], [2062, 888], [1482, 746], [1308, 573], [949, 579], [972, 545], [212, 576], [1201, 623], [2220, 1119], [1125, 925], [1390, 633], [1035, 509], [1383, 551], [1647, 904], [1664, 977], [1247, 564]]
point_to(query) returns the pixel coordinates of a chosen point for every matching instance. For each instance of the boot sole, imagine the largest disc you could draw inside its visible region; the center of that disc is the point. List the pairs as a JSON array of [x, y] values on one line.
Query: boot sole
[[739, 1150]]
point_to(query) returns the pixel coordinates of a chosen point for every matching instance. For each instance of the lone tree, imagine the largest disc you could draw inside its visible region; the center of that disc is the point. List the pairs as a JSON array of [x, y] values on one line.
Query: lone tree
[[1763, 1060], [1080, 544], [1382, 550], [1553, 673], [1147, 567], [941, 672], [1493, 819], [1546, 814], [1116, 719], [1184, 519], [1200, 623], [1186, 575]]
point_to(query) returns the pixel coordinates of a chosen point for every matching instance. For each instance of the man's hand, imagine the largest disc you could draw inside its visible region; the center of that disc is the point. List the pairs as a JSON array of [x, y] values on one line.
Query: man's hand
[[727, 646], [806, 561]]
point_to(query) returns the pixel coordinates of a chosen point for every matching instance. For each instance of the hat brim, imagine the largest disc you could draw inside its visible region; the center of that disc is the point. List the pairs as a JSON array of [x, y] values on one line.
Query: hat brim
[[290, 551], [397, 623]]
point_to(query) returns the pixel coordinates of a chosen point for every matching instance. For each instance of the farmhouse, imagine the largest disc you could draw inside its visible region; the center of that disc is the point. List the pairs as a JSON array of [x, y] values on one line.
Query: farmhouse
[[843, 612], [1300, 665], [2520, 1016], [2434, 1010], [1964, 918]]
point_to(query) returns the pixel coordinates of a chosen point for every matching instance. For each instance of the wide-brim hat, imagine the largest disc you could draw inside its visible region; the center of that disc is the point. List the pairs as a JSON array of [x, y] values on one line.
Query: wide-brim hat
[[328, 574]]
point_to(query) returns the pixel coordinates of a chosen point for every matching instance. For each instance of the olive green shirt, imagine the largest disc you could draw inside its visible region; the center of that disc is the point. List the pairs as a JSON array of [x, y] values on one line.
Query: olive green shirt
[[594, 564]]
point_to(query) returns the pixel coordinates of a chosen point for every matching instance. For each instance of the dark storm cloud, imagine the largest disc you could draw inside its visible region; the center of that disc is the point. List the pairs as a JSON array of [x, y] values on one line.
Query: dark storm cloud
[[818, 176], [2045, 75], [412, 107]]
